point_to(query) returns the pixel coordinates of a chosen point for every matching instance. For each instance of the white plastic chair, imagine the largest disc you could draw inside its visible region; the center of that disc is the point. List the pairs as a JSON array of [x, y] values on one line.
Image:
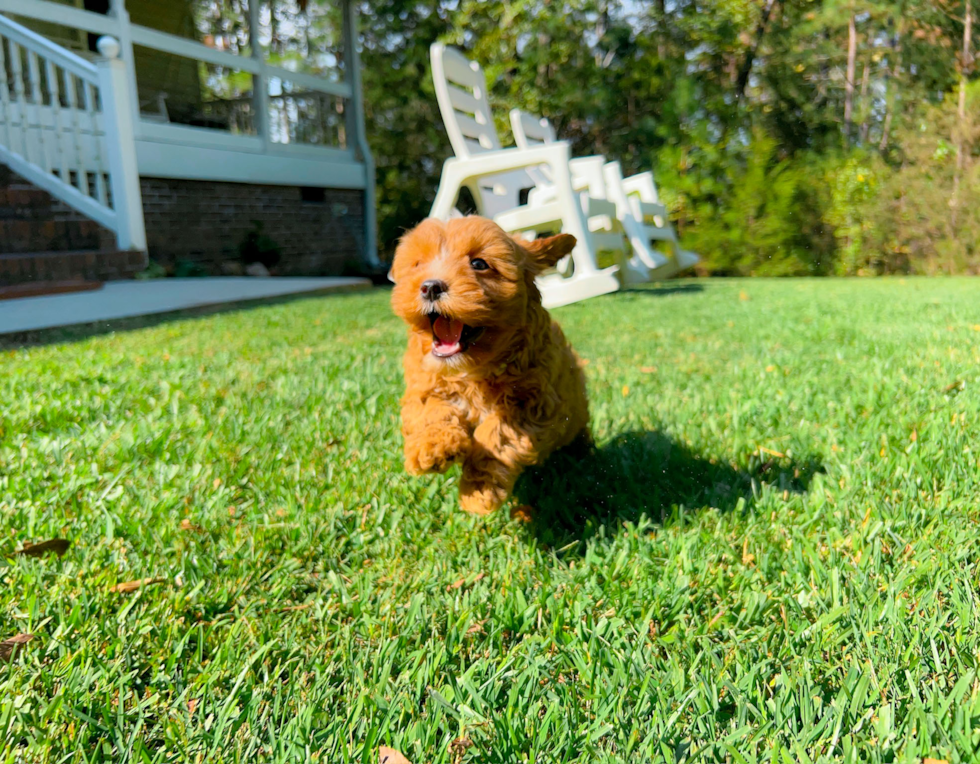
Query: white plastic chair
[[637, 202], [496, 176]]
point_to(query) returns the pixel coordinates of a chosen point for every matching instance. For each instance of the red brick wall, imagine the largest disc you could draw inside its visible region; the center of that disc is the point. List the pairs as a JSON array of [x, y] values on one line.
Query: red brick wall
[[42, 239], [106, 265], [31, 220], [206, 221]]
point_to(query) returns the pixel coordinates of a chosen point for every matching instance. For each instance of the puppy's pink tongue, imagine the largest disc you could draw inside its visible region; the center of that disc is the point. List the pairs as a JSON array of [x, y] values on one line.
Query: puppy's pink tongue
[[447, 331]]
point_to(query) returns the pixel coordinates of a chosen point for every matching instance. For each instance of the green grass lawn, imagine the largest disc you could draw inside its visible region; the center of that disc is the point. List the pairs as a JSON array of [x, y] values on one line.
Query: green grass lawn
[[772, 556]]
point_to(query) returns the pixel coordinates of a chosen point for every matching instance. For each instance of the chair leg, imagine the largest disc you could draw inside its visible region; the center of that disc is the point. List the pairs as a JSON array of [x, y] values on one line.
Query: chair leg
[[656, 264], [449, 186], [587, 280], [632, 270], [557, 291], [686, 259]]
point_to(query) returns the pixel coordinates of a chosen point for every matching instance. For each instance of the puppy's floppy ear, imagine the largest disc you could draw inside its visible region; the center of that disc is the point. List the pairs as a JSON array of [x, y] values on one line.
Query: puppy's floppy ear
[[545, 253]]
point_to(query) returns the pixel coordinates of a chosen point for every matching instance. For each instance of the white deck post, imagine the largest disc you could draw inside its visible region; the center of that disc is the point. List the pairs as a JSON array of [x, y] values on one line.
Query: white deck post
[[117, 9], [117, 113], [357, 102], [260, 82]]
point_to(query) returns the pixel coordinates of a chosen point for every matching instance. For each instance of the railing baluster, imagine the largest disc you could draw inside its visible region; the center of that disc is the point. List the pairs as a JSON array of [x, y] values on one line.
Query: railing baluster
[[98, 133], [5, 94], [37, 96], [54, 84], [71, 82], [341, 130], [17, 71], [61, 114]]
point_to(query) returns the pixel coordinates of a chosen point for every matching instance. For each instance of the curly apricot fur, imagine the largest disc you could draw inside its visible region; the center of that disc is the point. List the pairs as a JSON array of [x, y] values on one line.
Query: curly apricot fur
[[517, 392]]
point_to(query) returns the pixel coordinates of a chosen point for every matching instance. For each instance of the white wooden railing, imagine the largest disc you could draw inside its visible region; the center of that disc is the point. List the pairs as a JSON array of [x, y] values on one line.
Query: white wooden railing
[[277, 142], [66, 125]]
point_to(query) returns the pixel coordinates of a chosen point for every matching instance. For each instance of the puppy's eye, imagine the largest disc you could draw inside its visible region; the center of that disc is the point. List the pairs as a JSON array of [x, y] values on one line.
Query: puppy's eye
[[479, 265]]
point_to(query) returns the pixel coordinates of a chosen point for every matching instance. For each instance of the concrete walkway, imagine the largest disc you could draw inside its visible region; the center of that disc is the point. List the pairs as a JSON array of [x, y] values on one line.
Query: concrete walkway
[[128, 299]]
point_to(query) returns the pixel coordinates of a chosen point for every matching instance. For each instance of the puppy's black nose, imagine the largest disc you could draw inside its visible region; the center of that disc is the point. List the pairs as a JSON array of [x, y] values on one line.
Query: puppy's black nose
[[433, 289]]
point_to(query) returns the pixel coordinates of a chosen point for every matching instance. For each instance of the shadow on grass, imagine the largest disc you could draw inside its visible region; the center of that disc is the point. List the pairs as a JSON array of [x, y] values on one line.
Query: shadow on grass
[[637, 474], [663, 291]]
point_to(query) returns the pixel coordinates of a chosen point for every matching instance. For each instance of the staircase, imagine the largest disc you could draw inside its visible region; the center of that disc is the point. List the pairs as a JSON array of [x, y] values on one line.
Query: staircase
[[70, 206], [44, 240]]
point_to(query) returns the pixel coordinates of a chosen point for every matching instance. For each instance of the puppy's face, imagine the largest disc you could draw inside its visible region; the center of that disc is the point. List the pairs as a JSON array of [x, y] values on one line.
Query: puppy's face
[[464, 287]]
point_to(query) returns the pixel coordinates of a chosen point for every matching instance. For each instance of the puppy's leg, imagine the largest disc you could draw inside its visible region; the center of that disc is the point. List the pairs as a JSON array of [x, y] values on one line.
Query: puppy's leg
[[435, 435], [499, 454]]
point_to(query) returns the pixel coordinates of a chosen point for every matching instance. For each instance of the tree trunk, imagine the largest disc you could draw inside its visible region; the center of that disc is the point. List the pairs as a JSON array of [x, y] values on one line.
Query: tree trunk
[[745, 69], [601, 27], [849, 81], [965, 67], [865, 107], [891, 87], [661, 29]]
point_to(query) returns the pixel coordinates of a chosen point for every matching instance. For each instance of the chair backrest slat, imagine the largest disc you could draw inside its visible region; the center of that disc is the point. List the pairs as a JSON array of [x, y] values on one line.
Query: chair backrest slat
[[472, 128], [461, 88], [530, 131], [463, 100]]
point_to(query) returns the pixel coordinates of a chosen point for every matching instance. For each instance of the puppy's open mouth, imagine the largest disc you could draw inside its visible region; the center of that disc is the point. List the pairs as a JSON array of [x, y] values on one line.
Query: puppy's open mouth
[[450, 336]]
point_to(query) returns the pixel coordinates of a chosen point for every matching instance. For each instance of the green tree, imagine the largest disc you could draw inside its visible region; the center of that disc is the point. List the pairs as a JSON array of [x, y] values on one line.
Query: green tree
[[757, 116]]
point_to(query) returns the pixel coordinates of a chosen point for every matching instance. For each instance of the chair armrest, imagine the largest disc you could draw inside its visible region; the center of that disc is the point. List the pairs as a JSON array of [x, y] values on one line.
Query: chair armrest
[[587, 175], [643, 185], [588, 162], [487, 163]]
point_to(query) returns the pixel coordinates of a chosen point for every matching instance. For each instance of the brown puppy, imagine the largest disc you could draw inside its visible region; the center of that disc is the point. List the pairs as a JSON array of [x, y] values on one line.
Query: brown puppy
[[490, 379]]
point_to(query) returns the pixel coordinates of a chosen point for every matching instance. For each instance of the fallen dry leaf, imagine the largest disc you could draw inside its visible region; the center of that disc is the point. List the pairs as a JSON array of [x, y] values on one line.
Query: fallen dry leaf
[[187, 525], [9, 647], [295, 608], [648, 369], [928, 760], [744, 296], [391, 756], [462, 581], [476, 628], [747, 558], [524, 513], [769, 451], [458, 748], [192, 706], [132, 586], [57, 546]]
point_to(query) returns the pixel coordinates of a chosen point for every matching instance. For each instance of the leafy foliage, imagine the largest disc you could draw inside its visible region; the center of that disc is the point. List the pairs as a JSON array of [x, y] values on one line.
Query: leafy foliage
[[737, 105]]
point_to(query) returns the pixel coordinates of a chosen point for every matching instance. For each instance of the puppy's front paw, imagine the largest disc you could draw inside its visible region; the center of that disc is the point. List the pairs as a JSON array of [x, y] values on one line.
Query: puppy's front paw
[[480, 497], [436, 451]]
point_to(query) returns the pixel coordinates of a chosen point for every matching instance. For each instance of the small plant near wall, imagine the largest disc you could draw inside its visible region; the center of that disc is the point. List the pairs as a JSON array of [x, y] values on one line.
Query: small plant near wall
[[153, 271], [257, 249]]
